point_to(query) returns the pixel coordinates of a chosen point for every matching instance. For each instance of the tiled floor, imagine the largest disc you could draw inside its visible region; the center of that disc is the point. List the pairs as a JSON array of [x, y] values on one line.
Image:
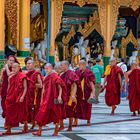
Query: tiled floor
[[104, 127]]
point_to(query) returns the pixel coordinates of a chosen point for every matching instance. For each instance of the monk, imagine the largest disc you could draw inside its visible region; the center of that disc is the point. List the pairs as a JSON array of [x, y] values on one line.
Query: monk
[[113, 84], [34, 91], [16, 105], [73, 108], [4, 82], [133, 78], [87, 79], [52, 108]]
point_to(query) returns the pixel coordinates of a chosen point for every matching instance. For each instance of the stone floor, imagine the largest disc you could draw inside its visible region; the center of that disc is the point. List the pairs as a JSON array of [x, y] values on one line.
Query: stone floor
[[104, 127]]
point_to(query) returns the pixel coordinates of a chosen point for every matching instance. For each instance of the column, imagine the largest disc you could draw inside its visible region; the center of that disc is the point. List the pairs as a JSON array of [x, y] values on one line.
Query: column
[[24, 27], [107, 48], [48, 30], [2, 28], [52, 35]]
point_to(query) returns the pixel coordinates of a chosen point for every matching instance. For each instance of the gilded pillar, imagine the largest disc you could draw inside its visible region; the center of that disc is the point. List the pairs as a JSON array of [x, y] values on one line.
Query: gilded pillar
[[52, 35], [24, 27], [2, 25]]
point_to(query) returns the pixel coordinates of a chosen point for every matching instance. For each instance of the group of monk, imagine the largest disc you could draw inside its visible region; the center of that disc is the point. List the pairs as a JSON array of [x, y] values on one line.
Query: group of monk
[[29, 98]]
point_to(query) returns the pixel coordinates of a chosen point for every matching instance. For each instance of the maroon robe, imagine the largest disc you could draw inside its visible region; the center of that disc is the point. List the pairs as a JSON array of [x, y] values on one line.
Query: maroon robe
[[75, 110], [50, 112], [88, 77], [16, 111], [33, 102], [134, 90], [112, 95], [3, 91]]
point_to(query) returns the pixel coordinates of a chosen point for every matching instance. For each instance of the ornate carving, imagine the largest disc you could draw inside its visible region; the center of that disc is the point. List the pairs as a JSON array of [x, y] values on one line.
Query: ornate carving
[[11, 8], [102, 15], [135, 4], [125, 41], [114, 15], [59, 8], [93, 24], [67, 38]]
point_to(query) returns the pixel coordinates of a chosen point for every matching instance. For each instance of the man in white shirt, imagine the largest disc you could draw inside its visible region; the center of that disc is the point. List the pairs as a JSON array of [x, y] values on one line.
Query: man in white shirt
[[123, 66]]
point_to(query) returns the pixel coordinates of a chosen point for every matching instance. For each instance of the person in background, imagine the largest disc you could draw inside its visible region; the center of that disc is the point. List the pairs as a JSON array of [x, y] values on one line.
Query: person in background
[[90, 64], [42, 71], [98, 71], [24, 69], [123, 66]]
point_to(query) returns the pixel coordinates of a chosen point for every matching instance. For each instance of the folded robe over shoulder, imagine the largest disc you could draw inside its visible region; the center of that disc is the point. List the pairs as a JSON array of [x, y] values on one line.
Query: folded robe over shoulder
[[73, 109], [87, 76], [49, 111], [134, 90], [112, 96], [34, 94], [3, 91], [16, 112]]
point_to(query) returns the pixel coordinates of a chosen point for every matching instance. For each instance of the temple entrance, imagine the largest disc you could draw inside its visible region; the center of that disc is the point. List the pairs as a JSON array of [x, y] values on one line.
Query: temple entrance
[[38, 29], [125, 41], [80, 33]]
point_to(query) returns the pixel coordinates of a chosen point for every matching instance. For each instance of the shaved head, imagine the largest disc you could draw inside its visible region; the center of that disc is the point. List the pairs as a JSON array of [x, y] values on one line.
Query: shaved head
[[48, 68], [15, 67], [65, 65], [82, 65], [83, 62], [30, 61], [112, 62], [30, 65], [58, 68], [65, 62], [48, 65]]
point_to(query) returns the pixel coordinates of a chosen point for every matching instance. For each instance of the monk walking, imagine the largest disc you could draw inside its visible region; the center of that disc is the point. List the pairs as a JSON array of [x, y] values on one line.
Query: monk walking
[[133, 78], [87, 79], [34, 91], [4, 82], [113, 85], [52, 108], [16, 105], [72, 82]]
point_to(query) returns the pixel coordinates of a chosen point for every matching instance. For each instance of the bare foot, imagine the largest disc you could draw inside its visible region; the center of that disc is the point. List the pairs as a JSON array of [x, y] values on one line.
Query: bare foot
[[61, 128], [134, 114], [113, 111], [69, 128], [88, 123], [55, 133], [25, 129], [37, 133], [8, 132]]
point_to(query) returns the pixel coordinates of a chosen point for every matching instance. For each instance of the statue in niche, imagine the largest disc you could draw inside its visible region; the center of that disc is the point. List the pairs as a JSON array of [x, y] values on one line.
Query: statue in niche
[[93, 48], [38, 21], [40, 49], [114, 49]]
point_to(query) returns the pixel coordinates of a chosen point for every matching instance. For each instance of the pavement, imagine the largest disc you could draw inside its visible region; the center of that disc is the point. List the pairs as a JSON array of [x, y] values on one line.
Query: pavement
[[122, 126]]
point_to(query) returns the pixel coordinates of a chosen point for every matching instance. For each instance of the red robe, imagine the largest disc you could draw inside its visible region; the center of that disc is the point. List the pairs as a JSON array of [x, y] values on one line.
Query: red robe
[[3, 94], [88, 77], [134, 90], [16, 112], [75, 109], [50, 112], [112, 96], [34, 94]]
